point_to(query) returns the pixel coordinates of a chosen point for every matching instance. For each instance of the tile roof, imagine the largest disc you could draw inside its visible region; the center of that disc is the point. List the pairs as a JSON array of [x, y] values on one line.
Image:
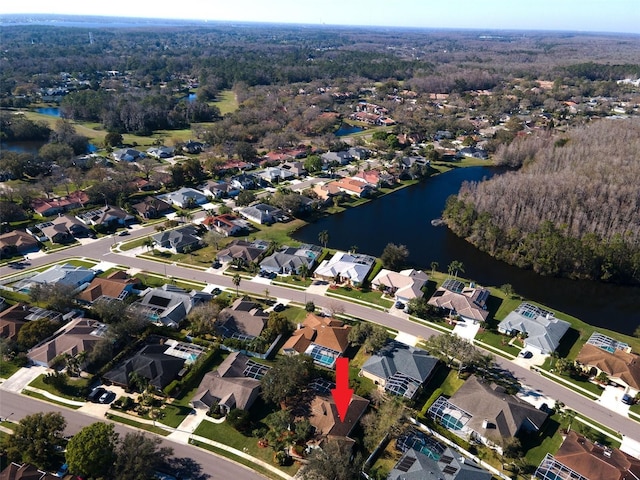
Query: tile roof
[[405, 284], [620, 364], [466, 303], [323, 331], [110, 287]]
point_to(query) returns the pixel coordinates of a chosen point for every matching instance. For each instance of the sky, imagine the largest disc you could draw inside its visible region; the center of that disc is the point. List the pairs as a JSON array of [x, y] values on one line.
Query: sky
[[568, 15]]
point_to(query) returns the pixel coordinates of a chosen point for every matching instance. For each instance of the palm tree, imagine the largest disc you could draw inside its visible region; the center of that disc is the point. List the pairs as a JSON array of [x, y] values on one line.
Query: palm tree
[[323, 238], [266, 295], [236, 281], [434, 266], [455, 267], [148, 242], [304, 271]]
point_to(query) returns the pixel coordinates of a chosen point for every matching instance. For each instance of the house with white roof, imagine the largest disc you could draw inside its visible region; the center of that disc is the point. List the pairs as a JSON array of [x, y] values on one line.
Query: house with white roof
[[345, 267], [185, 197], [542, 332]]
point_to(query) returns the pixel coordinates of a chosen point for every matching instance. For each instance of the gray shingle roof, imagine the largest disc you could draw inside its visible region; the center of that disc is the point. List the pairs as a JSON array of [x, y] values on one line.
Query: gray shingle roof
[[417, 466], [543, 330], [396, 357]]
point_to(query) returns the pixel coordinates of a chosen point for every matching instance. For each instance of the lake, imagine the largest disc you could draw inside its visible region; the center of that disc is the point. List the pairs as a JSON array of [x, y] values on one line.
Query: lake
[[346, 129], [32, 146], [51, 111], [404, 217]]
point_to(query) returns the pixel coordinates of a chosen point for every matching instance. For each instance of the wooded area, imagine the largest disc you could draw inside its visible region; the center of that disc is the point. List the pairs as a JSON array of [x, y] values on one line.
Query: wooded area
[[572, 209]]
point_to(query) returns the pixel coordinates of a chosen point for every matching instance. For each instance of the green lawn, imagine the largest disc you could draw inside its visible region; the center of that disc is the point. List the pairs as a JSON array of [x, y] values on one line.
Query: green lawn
[[223, 433], [365, 295], [72, 391], [496, 340], [444, 382], [7, 368], [226, 101], [133, 423], [293, 281]]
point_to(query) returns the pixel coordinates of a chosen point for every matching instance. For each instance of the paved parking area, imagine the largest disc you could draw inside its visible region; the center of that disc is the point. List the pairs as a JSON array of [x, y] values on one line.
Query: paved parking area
[[611, 398], [466, 330], [407, 339]]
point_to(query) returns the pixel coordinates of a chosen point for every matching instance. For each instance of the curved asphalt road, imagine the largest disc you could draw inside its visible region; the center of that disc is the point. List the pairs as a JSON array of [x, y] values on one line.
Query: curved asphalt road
[[100, 250]]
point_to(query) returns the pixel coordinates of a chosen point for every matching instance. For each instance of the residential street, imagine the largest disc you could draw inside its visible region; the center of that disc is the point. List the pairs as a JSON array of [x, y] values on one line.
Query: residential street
[[100, 250]]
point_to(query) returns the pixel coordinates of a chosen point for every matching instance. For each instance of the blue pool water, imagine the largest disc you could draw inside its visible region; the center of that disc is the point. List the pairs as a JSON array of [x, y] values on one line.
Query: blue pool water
[[451, 422]]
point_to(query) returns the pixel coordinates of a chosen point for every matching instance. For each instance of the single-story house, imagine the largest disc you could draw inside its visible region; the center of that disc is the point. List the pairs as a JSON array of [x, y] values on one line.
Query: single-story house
[[352, 186], [541, 330], [169, 305], [66, 274], [12, 320], [486, 413], [234, 384], [473, 152], [580, 459], [604, 354], [342, 157], [326, 191], [192, 146], [218, 189], [107, 215], [117, 286], [152, 207], [78, 336], [289, 260], [243, 320], [63, 229], [415, 465], [160, 152], [358, 153], [326, 421], [345, 267], [151, 363], [399, 369], [127, 155], [178, 240], [275, 174], [470, 303], [245, 181], [47, 207], [17, 242], [248, 252], [262, 213], [322, 338], [185, 198], [374, 178], [15, 471], [404, 286], [295, 168], [226, 224]]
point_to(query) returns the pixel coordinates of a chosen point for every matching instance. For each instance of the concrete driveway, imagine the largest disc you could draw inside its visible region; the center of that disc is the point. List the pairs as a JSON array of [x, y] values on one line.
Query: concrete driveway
[[22, 378]]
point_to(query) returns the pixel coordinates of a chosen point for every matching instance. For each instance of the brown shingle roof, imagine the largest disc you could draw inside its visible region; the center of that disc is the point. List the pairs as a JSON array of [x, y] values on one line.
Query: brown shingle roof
[[12, 320], [620, 364], [77, 338], [590, 461], [324, 415], [15, 471]]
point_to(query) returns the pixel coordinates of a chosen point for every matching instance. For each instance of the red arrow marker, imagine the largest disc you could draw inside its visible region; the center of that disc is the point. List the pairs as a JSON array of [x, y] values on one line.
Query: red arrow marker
[[342, 393]]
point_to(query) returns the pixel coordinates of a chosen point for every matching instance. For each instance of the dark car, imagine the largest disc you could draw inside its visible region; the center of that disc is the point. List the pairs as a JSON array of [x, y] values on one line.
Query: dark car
[[107, 397], [95, 394], [216, 265], [216, 291], [399, 305], [627, 399], [278, 307]]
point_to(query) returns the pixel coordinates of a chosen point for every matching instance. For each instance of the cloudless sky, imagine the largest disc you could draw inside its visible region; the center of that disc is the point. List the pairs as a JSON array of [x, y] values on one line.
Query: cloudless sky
[[572, 15]]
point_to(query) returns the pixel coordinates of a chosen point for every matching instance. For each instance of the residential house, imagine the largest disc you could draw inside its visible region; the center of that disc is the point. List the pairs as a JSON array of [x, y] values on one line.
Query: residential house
[[345, 267], [192, 147], [262, 213], [63, 229], [358, 153], [374, 178], [127, 155], [604, 354], [117, 286], [486, 413], [351, 186], [15, 471], [326, 421], [322, 338], [403, 286], [415, 465], [326, 191], [12, 320], [219, 189], [160, 152], [67, 274], [168, 305], [473, 152], [245, 181], [17, 242], [150, 363], [295, 168], [78, 336], [152, 207], [179, 240], [580, 459], [185, 198], [470, 303], [342, 158], [289, 260], [541, 331], [243, 320], [408, 162], [275, 174], [47, 207], [234, 384], [107, 215], [243, 251], [227, 225], [399, 369]]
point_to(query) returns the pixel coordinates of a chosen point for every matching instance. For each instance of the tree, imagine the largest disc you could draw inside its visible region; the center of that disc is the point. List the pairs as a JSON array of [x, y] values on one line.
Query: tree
[[138, 456], [58, 296], [332, 463], [277, 324], [245, 197], [36, 439], [92, 451], [212, 238], [387, 420], [434, 267], [236, 281], [310, 306], [203, 317], [507, 288], [455, 267], [35, 331], [113, 139], [238, 419], [323, 238], [313, 163], [288, 377], [371, 336], [394, 256], [304, 271]]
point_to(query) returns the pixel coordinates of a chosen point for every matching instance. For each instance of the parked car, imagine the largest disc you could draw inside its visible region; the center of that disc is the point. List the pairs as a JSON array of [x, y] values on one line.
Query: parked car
[[278, 307], [123, 233], [525, 354], [627, 399], [107, 397], [216, 265], [399, 305], [216, 291], [95, 394]]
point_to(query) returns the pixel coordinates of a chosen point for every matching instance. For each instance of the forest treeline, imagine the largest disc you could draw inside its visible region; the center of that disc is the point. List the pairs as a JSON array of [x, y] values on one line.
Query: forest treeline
[[572, 209]]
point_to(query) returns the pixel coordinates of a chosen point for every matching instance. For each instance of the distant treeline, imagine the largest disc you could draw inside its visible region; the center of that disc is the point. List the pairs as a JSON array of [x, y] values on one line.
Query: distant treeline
[[573, 209]]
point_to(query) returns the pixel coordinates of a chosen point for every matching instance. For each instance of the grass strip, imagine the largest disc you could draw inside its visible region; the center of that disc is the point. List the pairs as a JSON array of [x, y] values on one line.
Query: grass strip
[[133, 423], [44, 398]]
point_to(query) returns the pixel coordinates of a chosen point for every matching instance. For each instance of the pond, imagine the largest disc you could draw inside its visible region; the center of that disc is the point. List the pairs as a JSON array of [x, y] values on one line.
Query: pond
[[346, 129], [50, 111]]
